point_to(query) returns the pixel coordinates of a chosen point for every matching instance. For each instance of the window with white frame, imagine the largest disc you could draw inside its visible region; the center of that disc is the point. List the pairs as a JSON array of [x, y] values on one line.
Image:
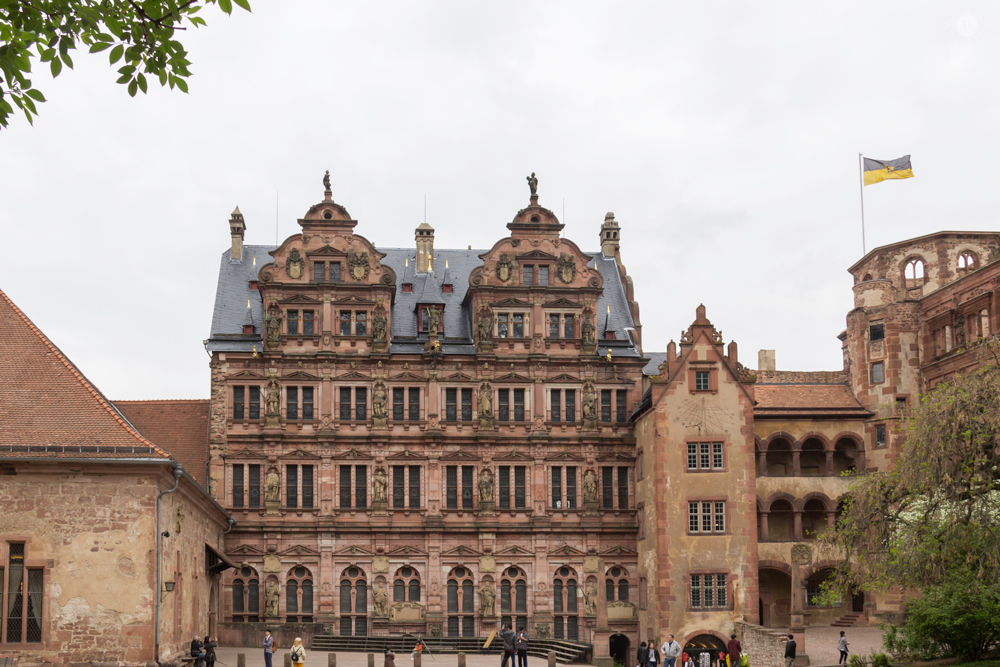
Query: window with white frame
[[707, 517], [705, 456], [561, 325], [512, 325], [709, 591], [564, 485]]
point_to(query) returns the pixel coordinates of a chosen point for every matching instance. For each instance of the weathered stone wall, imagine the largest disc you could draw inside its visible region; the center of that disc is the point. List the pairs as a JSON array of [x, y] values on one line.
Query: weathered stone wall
[[802, 377], [764, 647], [250, 635]]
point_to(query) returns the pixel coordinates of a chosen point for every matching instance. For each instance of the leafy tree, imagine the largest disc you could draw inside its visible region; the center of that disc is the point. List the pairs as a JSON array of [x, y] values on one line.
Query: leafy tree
[[140, 34], [938, 510]]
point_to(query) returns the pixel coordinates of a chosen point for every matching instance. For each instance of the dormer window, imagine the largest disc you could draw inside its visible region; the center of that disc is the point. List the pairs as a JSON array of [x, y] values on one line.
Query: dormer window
[[532, 274], [424, 318], [326, 272], [447, 289], [252, 286], [407, 288]]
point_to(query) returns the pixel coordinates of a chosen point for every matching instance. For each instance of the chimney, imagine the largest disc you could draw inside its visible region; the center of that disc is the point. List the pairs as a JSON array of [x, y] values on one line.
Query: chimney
[[425, 248], [765, 360], [609, 236], [236, 229]]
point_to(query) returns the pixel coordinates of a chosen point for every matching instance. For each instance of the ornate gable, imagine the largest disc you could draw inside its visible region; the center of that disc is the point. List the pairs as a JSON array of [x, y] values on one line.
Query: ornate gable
[[616, 456], [510, 302], [299, 375], [536, 254], [408, 375], [353, 375], [353, 454], [512, 455], [461, 551], [299, 454], [244, 550], [353, 301], [406, 455], [353, 550], [513, 550], [298, 550], [246, 453], [406, 551], [247, 374], [300, 298], [562, 302], [567, 550], [617, 551], [461, 455], [566, 456]]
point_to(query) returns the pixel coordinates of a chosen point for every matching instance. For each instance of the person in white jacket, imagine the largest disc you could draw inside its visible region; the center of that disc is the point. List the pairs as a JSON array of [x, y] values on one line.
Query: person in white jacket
[[671, 650]]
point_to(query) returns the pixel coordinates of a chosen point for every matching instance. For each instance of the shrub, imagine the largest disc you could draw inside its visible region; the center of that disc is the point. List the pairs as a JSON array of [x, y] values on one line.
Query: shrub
[[857, 660], [881, 660]]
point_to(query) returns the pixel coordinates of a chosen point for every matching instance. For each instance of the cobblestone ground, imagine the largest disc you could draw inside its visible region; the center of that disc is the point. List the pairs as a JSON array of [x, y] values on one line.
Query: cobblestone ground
[[821, 643]]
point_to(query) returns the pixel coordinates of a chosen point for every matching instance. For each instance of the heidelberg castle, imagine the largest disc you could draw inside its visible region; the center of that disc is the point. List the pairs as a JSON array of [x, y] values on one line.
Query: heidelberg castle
[[441, 440]]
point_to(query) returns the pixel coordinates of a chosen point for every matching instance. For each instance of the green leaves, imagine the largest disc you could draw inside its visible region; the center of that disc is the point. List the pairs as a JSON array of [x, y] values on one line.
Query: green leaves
[[139, 33]]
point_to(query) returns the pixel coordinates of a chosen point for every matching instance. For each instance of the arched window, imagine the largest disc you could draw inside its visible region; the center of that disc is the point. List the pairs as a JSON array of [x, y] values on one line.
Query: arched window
[[812, 459], [237, 597], [565, 604], [967, 262], [913, 273], [353, 602], [779, 458], [299, 595], [406, 586], [461, 603], [246, 596], [779, 521], [514, 597], [616, 583], [813, 518]]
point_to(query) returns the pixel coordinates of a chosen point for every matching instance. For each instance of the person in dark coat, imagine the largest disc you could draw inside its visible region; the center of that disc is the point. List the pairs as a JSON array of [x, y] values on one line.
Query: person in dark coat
[[509, 653], [209, 649], [734, 648], [790, 651], [642, 655], [390, 658], [196, 651]]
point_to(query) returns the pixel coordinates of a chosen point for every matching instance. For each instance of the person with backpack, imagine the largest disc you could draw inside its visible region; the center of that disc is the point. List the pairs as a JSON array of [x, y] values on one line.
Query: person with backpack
[[641, 655], [734, 648], [298, 652], [521, 644], [209, 649]]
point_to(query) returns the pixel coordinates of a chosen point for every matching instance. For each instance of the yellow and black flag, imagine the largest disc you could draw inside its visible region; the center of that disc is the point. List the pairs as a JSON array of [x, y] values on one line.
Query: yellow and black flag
[[877, 171]]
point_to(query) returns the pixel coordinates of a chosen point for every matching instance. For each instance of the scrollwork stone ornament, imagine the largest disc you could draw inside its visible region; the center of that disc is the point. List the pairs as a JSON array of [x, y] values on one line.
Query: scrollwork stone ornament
[[566, 267], [801, 554], [505, 267], [358, 263], [295, 266]]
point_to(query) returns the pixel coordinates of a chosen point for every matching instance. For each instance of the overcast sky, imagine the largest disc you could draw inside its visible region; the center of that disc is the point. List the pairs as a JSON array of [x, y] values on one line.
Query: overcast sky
[[724, 136]]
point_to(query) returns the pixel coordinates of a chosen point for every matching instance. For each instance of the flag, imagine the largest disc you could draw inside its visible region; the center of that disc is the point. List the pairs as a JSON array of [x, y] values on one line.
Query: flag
[[881, 170]]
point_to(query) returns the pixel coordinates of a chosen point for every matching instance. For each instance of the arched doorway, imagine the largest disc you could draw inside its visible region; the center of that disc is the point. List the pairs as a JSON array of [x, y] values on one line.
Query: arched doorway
[[775, 597], [709, 645], [618, 649]]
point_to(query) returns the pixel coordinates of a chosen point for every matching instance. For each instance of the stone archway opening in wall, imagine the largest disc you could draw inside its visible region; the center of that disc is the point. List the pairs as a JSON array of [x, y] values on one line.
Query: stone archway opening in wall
[[775, 589], [618, 649], [708, 646]]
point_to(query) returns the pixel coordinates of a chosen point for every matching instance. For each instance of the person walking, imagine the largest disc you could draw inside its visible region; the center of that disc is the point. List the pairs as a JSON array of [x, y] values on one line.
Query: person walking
[[298, 652], [842, 647], [641, 655], [268, 645], [652, 656], [671, 650], [209, 648], [790, 651], [509, 653], [521, 645], [390, 658], [734, 648]]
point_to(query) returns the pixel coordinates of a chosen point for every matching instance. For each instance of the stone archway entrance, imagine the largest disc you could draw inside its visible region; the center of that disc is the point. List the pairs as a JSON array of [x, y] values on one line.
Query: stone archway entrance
[[775, 598], [618, 649], [707, 645]]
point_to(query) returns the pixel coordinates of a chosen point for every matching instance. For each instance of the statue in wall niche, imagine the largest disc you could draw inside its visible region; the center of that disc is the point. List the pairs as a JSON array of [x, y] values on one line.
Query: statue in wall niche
[[272, 399], [486, 486], [271, 599], [379, 485], [589, 402], [381, 601], [434, 317], [485, 326], [590, 485], [380, 406], [486, 597], [485, 400], [378, 326], [587, 329], [272, 485], [273, 325], [590, 600]]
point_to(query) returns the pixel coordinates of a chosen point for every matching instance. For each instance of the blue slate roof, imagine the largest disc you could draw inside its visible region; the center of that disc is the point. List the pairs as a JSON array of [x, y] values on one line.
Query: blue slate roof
[[232, 294]]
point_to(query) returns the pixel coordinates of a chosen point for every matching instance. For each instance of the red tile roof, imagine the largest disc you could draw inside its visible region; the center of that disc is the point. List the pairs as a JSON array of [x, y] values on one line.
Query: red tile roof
[[806, 399], [48, 409], [180, 427]]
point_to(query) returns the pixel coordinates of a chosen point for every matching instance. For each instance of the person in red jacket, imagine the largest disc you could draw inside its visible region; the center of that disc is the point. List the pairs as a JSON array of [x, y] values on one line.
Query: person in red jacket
[[735, 648]]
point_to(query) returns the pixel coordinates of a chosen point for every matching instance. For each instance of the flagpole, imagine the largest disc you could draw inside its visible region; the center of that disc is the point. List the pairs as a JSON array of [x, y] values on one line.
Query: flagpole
[[861, 175]]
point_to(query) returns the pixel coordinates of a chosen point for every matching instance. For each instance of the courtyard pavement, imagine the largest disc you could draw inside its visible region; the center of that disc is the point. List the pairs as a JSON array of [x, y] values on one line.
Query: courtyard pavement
[[821, 646]]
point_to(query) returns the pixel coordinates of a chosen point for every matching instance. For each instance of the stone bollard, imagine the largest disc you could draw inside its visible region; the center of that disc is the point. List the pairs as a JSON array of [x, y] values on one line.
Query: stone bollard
[[416, 660], [241, 660], [461, 660], [371, 660], [331, 660], [288, 660], [552, 659]]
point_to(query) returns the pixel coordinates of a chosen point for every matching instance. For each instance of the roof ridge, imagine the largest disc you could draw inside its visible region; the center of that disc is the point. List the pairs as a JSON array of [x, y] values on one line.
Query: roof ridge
[[161, 400], [81, 378]]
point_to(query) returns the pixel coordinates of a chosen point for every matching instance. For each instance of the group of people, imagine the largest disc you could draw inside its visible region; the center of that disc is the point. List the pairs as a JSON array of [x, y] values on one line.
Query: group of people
[[648, 656], [298, 651], [514, 644], [203, 652]]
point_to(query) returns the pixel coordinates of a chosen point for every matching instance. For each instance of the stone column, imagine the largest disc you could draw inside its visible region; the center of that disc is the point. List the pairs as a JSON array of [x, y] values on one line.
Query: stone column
[[327, 581], [829, 463], [796, 457], [797, 525], [762, 464], [831, 519], [765, 535]]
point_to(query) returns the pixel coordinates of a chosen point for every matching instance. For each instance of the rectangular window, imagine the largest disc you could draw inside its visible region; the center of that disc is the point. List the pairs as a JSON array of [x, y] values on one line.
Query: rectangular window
[[503, 405], [543, 275], [707, 517], [307, 322], [451, 405], [307, 402], [708, 591], [451, 487], [878, 373], [345, 323], [557, 487], [254, 485], [569, 330], [692, 456], [467, 405], [504, 487], [398, 487], [519, 405], [622, 487], [605, 405], [608, 488], [502, 325], [360, 404], [519, 490], [345, 487], [571, 487], [555, 406], [292, 403], [398, 404], [554, 325], [345, 404], [414, 404], [334, 272], [880, 435], [876, 332], [717, 461], [414, 487], [254, 402], [705, 456], [319, 272], [529, 275], [701, 382], [360, 487], [468, 472], [238, 486], [621, 406], [291, 486], [518, 325], [361, 323], [307, 487], [293, 321], [571, 405], [239, 394]]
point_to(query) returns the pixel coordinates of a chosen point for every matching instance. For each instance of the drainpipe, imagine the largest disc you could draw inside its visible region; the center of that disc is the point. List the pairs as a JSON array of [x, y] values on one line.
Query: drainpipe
[[178, 472]]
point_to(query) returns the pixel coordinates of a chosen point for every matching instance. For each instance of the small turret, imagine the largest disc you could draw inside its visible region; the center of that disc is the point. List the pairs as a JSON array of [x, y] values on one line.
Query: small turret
[[609, 236], [424, 237], [237, 227]]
